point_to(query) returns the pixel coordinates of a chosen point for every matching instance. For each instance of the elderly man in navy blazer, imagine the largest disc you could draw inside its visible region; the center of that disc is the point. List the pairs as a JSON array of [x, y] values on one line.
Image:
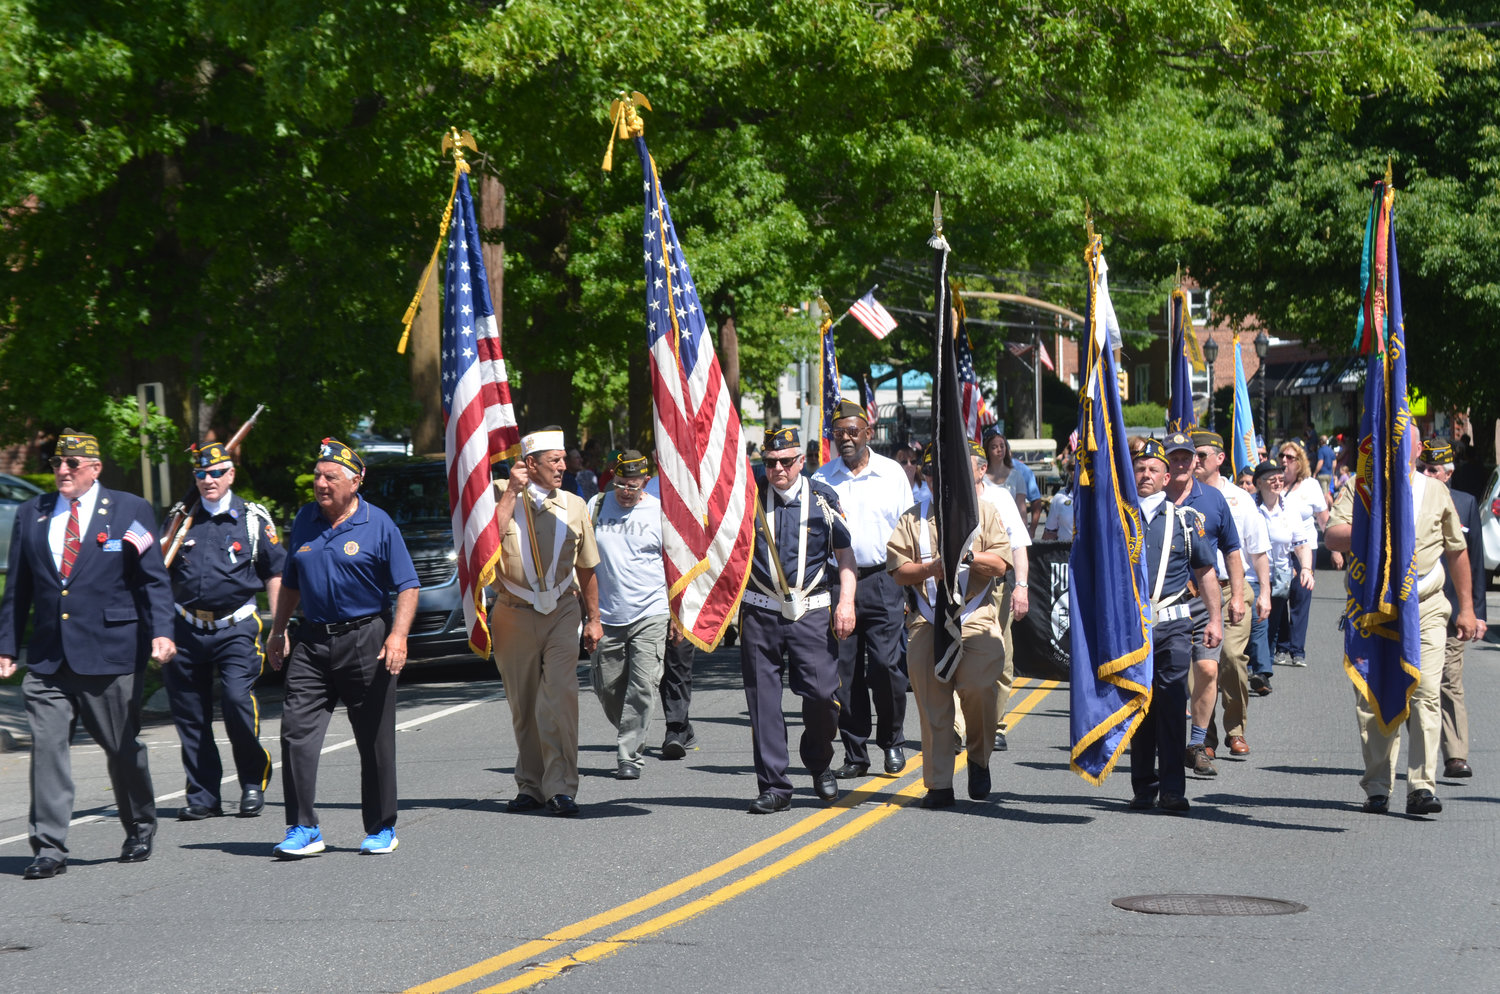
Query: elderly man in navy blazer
[[85, 566]]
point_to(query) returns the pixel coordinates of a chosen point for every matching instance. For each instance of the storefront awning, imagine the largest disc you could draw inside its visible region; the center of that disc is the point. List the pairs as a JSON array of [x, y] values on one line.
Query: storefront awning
[[1321, 376]]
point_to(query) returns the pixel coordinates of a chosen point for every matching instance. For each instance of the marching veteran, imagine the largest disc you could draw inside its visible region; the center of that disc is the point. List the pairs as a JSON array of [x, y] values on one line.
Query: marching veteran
[[231, 551], [1440, 538], [86, 570], [627, 665], [546, 540], [784, 620], [1178, 550], [345, 561], [914, 563]]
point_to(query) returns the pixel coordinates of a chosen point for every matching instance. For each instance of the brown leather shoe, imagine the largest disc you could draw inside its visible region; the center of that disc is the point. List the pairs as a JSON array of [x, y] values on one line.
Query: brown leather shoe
[[1238, 746], [1456, 768]]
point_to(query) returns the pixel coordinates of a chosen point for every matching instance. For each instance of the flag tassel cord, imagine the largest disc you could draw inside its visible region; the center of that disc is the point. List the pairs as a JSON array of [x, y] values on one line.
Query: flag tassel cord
[[456, 140]]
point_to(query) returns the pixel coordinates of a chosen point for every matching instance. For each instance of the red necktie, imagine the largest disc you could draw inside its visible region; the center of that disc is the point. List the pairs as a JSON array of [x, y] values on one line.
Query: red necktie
[[71, 544]]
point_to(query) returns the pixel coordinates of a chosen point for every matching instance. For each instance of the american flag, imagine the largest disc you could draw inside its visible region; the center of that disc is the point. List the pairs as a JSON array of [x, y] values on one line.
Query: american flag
[[868, 312], [139, 535], [479, 424], [977, 413], [830, 388], [707, 489], [867, 398]]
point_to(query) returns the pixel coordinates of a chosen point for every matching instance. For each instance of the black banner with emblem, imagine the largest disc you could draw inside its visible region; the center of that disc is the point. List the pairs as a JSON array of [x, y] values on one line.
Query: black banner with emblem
[[1040, 639]]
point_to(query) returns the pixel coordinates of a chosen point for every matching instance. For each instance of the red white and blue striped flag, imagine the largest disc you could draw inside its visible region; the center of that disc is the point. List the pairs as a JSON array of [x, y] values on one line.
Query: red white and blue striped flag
[[139, 535], [868, 312], [707, 488], [479, 423], [867, 398], [977, 414]]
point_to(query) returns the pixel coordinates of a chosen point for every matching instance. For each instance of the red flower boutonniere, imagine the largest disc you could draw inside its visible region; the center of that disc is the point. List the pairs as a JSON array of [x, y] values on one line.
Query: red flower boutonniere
[[235, 547], [102, 537]]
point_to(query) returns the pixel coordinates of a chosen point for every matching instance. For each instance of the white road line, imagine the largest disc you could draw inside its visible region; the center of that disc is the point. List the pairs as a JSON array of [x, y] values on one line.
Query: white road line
[[400, 727]]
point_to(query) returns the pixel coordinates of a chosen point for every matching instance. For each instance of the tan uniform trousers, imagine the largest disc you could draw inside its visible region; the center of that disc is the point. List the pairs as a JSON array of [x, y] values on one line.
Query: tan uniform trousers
[[1455, 712], [1424, 725], [1234, 671], [537, 656], [975, 683], [1008, 677]]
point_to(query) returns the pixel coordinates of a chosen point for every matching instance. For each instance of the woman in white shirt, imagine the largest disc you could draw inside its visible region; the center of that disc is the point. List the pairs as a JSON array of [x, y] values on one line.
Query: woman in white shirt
[[1294, 537]]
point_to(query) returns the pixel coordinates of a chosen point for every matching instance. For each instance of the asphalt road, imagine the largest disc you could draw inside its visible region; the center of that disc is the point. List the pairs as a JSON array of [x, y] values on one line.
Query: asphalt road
[[667, 884]]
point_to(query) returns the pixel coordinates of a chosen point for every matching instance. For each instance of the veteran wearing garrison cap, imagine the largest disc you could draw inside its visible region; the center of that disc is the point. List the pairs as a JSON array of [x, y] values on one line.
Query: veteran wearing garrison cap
[[86, 569], [785, 620], [874, 492], [345, 561], [231, 552], [545, 586]]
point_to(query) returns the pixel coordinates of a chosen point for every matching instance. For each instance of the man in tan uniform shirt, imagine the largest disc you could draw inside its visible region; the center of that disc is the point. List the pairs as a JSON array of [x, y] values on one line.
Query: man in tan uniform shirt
[[1440, 536], [547, 560], [976, 679]]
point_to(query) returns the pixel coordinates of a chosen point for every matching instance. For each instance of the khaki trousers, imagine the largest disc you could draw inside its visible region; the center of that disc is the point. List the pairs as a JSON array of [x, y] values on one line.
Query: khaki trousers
[[1424, 724], [537, 656], [975, 682], [1007, 679], [1234, 675], [1455, 712]]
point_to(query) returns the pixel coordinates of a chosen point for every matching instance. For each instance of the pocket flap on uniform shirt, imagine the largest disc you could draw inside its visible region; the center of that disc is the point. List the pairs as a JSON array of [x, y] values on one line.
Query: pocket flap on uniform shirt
[[119, 615]]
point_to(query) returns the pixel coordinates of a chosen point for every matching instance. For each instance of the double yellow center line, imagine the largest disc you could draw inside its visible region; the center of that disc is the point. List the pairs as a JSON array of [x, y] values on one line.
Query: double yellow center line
[[611, 944]]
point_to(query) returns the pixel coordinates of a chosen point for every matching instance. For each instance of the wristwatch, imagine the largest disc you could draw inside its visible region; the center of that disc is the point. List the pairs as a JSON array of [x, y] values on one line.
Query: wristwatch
[[1022, 584]]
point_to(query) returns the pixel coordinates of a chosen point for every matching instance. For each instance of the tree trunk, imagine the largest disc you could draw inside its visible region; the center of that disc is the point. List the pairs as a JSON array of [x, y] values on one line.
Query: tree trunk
[[427, 371], [729, 355], [491, 222], [640, 429], [546, 398]]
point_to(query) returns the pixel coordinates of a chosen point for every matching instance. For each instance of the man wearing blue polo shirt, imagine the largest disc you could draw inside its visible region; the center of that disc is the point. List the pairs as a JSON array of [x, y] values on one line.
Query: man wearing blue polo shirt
[[345, 558]]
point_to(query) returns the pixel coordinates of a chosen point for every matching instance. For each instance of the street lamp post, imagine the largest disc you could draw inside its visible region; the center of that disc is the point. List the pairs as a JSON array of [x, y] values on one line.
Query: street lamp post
[[1262, 346], [1210, 353]]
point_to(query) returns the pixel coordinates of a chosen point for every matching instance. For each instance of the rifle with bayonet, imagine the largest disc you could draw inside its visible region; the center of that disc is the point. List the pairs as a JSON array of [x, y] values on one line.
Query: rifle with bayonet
[[182, 512]]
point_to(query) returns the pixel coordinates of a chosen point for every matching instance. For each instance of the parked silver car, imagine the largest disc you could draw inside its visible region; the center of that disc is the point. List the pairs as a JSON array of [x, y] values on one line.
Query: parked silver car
[[14, 492]]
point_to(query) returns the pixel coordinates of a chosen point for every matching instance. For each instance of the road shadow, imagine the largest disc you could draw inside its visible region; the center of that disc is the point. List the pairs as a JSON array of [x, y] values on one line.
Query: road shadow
[[259, 850], [1221, 808], [1314, 770], [733, 771], [1033, 765], [1001, 807]]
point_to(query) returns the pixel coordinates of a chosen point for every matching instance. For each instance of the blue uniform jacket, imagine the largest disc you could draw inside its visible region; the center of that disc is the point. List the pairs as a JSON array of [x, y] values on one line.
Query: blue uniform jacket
[[211, 574], [102, 619], [826, 531], [1190, 549]]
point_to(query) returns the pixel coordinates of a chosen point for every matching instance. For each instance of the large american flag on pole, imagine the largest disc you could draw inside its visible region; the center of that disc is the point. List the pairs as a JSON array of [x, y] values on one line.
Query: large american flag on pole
[[479, 424], [707, 489], [977, 414]]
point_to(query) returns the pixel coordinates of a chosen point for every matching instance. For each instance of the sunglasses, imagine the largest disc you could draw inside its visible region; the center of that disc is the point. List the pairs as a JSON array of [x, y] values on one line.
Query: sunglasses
[[846, 432], [786, 462], [906, 462], [204, 474], [73, 462]]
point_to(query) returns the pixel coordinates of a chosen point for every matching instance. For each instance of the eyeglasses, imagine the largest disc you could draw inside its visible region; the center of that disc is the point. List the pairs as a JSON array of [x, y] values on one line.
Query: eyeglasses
[[786, 462], [73, 462], [629, 488], [204, 474]]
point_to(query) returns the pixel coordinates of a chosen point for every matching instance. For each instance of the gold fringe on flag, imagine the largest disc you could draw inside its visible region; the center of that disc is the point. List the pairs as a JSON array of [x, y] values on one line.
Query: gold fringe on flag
[[624, 123], [456, 141]]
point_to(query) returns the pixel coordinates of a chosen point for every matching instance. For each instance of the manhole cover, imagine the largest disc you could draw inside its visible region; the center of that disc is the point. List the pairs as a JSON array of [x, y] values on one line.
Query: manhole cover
[[1207, 904]]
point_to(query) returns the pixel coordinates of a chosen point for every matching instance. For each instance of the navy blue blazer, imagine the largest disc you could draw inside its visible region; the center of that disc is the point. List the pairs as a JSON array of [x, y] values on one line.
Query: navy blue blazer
[[103, 618], [1468, 516]]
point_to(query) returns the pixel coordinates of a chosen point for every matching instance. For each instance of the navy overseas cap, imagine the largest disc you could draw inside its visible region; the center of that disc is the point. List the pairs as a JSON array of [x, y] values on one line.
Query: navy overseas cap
[[782, 438], [1202, 436], [1265, 469], [1153, 449], [1178, 441], [631, 463], [1436, 452], [210, 454], [851, 409], [332, 450], [77, 443]]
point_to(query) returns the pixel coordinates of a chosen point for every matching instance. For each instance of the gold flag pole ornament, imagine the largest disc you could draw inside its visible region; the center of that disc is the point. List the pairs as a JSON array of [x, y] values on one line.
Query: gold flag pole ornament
[[624, 123], [456, 141]]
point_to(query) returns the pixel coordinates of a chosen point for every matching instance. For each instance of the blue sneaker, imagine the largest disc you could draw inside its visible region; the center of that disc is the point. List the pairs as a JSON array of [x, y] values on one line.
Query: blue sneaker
[[383, 841], [301, 840]]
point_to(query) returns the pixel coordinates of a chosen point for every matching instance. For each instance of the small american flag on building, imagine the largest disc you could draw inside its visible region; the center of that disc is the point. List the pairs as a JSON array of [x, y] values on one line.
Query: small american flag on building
[[868, 312], [867, 398], [707, 489], [479, 423]]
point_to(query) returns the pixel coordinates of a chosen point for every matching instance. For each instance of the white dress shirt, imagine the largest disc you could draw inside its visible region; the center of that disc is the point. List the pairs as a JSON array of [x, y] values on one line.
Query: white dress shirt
[[1010, 515], [873, 500], [57, 528]]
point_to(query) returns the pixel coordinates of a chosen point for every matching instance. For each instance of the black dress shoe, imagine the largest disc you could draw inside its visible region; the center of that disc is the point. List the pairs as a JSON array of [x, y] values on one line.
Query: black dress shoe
[[769, 803], [135, 850], [198, 812], [852, 771], [1456, 768], [1174, 803], [895, 760], [826, 785], [1000, 743], [979, 782], [522, 803], [1144, 801], [627, 771], [562, 805], [673, 749], [1423, 802], [938, 797], [252, 801], [45, 866], [1377, 804]]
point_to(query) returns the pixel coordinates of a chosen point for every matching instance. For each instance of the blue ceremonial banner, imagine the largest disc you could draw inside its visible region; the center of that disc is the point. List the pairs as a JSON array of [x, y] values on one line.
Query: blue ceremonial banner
[[829, 385], [1180, 413], [1108, 603], [1382, 630], [1243, 449]]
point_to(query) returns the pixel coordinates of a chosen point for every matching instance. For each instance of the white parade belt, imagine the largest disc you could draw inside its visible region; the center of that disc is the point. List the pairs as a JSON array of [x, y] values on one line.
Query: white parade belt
[[205, 621], [543, 601], [1174, 612], [791, 608]]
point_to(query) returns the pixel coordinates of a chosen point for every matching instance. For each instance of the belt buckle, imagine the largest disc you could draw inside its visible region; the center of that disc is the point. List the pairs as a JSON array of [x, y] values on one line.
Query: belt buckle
[[793, 606], [206, 617]]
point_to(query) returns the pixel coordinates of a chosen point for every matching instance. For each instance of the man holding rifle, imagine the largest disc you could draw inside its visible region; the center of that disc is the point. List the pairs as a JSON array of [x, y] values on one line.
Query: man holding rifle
[[229, 553]]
